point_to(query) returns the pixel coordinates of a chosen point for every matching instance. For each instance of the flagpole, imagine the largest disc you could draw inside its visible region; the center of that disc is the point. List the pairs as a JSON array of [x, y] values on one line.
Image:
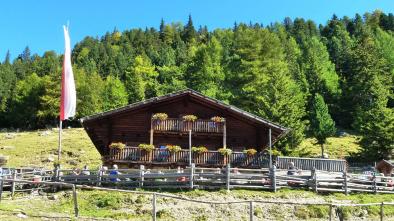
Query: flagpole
[[59, 150]]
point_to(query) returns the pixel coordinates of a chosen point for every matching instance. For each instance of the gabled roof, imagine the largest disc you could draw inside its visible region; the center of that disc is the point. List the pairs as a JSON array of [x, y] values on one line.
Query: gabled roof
[[195, 94]]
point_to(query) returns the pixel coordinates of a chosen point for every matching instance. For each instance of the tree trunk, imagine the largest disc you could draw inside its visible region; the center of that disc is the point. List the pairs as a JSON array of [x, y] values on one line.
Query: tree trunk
[[322, 150]]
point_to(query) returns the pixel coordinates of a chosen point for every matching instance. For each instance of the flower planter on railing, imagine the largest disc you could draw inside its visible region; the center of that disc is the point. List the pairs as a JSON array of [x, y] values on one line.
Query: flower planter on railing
[[208, 158]]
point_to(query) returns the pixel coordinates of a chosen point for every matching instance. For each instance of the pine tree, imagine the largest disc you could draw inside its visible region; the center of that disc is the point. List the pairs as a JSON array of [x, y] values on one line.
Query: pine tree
[[322, 125], [7, 59], [260, 82], [378, 133], [189, 32]]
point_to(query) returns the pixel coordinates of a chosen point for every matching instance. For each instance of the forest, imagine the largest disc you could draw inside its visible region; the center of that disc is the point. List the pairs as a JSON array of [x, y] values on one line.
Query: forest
[[316, 79]]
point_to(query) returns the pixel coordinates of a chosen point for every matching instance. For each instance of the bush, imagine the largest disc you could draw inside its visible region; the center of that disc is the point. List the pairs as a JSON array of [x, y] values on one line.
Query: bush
[[190, 118], [160, 116], [173, 148], [250, 152], [117, 145], [200, 149], [108, 200], [3, 160], [225, 151], [146, 147]]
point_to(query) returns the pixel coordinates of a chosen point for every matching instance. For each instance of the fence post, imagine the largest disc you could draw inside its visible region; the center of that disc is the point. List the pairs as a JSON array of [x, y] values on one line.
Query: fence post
[[99, 174], [345, 182], [375, 189], [273, 178], [13, 183], [75, 201], [251, 210], [381, 211], [1, 188], [154, 207], [228, 169], [142, 172], [330, 213], [316, 184], [191, 175], [56, 174]]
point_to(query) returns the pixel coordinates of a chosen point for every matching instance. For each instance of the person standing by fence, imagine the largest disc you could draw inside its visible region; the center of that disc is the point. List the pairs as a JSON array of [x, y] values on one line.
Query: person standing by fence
[[114, 174]]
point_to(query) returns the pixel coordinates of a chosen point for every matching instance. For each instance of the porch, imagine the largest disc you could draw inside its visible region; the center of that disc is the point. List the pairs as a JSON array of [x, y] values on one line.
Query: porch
[[164, 158]]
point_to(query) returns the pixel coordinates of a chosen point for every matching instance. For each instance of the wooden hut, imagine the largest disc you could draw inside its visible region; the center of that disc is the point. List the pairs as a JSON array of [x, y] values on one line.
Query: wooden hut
[[386, 167], [133, 125]]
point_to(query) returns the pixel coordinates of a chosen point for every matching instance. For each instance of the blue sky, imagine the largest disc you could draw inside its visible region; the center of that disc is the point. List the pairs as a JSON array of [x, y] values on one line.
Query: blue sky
[[38, 24]]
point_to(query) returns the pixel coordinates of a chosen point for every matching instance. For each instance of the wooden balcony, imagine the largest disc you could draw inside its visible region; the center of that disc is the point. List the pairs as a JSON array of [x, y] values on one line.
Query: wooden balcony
[[179, 125], [162, 157]]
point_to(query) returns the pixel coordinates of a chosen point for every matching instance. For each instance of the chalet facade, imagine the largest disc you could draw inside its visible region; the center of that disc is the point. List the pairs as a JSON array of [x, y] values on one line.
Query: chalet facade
[[133, 125]]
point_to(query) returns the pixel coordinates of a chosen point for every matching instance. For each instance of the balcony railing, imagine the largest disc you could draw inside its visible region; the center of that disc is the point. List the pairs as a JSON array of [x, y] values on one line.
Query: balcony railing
[[179, 125], [164, 157]]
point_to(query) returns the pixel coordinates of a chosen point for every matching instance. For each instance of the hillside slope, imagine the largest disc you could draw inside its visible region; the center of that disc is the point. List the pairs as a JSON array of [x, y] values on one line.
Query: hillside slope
[[39, 148]]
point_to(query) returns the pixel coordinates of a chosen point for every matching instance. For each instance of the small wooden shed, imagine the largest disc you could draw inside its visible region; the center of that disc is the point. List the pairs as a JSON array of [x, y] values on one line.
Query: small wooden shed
[[386, 167]]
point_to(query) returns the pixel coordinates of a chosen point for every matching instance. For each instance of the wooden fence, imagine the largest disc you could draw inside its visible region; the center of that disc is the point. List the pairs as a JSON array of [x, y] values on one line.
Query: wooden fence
[[211, 178], [155, 195], [310, 163]]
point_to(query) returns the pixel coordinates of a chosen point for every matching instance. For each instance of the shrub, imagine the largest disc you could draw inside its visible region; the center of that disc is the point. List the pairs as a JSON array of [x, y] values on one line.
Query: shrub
[[250, 152], [3, 160], [160, 116], [217, 119], [111, 201], [117, 145], [173, 148], [200, 149], [190, 118], [225, 151], [146, 147]]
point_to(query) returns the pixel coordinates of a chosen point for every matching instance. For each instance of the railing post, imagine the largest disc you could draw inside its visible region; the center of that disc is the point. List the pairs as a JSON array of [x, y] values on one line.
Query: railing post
[[76, 211], [151, 133], [142, 172], [381, 211], [13, 183], [330, 213], [154, 207], [191, 179], [251, 210], [273, 178], [228, 174], [224, 135], [190, 148], [345, 182]]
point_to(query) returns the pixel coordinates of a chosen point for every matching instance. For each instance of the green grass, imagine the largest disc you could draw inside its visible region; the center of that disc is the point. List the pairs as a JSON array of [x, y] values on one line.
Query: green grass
[[30, 149], [126, 206]]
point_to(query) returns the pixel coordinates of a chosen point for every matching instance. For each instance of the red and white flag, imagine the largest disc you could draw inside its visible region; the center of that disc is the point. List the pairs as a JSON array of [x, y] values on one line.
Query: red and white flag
[[68, 101]]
